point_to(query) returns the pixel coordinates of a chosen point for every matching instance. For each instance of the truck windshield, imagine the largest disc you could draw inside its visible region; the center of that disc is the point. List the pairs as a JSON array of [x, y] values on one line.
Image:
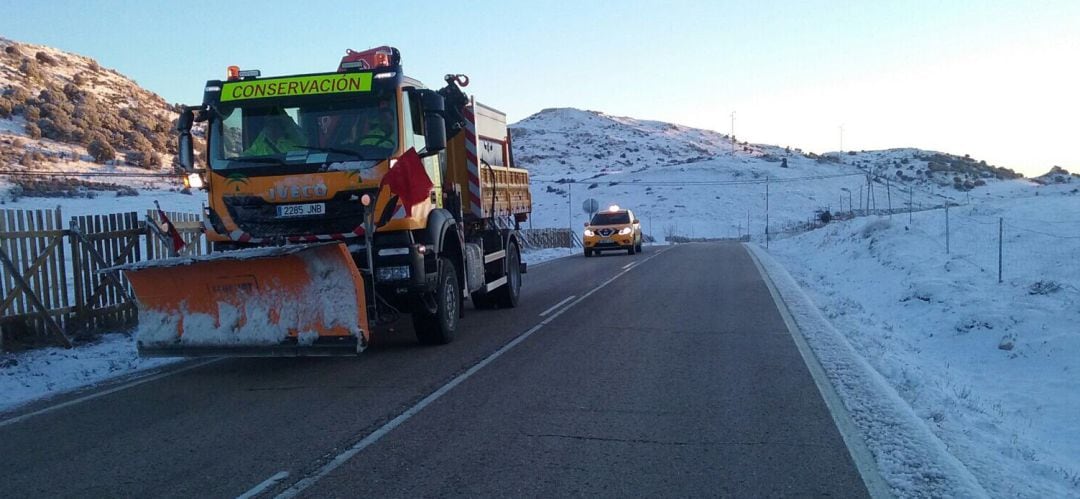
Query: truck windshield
[[276, 132], [610, 218]]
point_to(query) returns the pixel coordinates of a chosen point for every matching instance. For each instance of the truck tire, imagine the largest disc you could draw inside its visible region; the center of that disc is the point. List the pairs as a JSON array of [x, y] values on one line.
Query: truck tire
[[588, 252], [507, 295], [630, 250], [439, 328]]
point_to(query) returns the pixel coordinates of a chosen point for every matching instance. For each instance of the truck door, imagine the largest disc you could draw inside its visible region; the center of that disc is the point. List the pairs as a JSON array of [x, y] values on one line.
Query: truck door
[[414, 137]]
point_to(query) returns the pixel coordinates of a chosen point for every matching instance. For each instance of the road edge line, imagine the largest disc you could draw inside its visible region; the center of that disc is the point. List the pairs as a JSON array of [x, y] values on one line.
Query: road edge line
[[124, 386], [861, 456]]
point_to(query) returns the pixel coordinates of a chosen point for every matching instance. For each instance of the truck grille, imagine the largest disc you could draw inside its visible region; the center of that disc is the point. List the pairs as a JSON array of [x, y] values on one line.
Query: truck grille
[[259, 218]]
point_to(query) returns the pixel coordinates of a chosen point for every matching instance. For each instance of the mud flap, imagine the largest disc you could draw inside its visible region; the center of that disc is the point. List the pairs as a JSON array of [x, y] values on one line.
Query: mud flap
[[281, 301]]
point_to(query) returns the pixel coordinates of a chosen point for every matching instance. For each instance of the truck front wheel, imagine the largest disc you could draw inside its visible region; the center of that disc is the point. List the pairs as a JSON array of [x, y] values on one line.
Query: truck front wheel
[[439, 328]]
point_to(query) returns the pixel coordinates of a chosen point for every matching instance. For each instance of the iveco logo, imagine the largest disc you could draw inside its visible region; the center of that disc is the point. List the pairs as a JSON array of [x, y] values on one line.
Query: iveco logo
[[286, 192]]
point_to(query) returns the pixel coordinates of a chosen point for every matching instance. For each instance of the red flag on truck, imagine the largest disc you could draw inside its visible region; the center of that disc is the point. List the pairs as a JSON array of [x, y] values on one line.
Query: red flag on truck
[[408, 180], [174, 235]]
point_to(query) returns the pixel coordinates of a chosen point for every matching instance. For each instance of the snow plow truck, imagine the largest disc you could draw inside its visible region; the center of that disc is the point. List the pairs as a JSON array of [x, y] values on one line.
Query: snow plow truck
[[337, 202]]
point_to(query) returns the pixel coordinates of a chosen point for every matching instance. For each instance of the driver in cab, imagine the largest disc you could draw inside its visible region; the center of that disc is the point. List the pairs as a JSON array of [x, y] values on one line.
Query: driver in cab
[[279, 135], [373, 128]]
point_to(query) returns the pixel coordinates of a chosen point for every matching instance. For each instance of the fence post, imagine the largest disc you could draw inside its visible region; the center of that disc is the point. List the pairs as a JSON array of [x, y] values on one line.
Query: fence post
[[766, 212], [946, 227], [1001, 242]]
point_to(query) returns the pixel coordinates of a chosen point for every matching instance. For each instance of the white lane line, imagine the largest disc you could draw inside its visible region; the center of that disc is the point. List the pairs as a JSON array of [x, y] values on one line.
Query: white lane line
[[110, 391], [557, 305], [356, 448], [628, 265], [266, 484]]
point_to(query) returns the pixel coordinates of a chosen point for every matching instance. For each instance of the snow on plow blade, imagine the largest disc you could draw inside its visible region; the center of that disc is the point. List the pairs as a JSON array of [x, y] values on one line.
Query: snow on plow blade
[[281, 301]]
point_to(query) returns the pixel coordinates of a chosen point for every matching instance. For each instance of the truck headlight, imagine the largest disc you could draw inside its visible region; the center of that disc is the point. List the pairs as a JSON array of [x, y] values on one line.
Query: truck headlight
[[393, 273], [626, 230], [589, 232]]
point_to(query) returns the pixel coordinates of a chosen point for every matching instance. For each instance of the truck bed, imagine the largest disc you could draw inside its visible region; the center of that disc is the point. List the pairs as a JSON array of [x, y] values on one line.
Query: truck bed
[[480, 164]]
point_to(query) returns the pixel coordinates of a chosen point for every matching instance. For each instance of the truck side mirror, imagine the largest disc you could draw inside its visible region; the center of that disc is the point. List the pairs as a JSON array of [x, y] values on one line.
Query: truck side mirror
[[186, 155], [434, 120]]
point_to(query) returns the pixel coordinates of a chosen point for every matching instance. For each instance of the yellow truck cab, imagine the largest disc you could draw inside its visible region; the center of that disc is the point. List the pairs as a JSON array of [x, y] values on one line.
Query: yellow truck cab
[[613, 229]]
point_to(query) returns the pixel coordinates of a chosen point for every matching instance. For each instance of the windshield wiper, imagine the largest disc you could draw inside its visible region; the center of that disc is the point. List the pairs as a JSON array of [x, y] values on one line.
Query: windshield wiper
[[347, 152], [265, 160]]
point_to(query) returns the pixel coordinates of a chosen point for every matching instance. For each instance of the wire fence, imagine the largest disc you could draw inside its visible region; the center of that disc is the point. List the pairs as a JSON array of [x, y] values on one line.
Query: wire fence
[[1000, 241]]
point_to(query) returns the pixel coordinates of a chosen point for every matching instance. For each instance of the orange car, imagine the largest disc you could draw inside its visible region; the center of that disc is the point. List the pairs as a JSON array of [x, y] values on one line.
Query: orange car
[[613, 229]]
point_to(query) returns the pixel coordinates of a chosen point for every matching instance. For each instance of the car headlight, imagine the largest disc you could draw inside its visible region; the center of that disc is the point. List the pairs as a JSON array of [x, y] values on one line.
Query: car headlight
[[589, 232], [626, 230]]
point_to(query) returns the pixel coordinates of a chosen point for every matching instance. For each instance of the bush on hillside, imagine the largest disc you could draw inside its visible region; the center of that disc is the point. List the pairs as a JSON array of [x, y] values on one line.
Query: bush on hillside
[[30, 69], [33, 131], [45, 58], [100, 150]]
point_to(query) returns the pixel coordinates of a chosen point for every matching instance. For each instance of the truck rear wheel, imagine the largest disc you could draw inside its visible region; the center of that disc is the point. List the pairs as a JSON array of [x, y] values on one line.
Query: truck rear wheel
[[508, 294], [439, 328]]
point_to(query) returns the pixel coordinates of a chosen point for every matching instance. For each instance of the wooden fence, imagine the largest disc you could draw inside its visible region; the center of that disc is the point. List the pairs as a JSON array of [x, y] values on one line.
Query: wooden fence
[[54, 286], [51, 278], [549, 238]]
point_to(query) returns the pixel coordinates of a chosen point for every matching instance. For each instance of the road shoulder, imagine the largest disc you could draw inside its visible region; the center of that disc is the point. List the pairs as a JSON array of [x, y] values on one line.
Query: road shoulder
[[894, 450]]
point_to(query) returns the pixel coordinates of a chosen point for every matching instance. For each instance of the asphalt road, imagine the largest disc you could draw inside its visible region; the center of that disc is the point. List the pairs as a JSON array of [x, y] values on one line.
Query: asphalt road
[[675, 376]]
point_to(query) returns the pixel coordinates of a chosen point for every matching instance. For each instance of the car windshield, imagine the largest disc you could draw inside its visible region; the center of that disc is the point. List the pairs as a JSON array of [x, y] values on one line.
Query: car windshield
[[330, 130], [608, 218]]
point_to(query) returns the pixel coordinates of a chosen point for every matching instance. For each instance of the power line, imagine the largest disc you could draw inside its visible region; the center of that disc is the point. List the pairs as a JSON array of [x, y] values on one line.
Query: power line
[[698, 182]]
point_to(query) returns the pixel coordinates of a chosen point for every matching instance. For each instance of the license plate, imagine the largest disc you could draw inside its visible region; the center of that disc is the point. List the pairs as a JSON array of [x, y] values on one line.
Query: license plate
[[301, 210], [605, 240]]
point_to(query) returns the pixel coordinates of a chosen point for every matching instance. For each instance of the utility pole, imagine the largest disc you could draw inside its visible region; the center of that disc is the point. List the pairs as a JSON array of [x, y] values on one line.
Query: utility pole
[[570, 206], [1001, 236], [747, 225], [946, 227], [888, 192], [910, 202], [733, 133], [766, 212], [841, 139]]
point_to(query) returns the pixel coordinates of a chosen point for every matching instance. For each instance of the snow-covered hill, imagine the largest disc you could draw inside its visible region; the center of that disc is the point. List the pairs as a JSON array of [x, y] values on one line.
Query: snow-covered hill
[[692, 182]]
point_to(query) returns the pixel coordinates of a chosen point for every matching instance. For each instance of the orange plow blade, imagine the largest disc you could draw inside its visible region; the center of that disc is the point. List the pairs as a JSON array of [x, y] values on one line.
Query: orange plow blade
[[280, 301]]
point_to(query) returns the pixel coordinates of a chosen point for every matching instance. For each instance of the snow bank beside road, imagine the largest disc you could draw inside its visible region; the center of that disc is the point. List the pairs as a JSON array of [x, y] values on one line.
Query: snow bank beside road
[[46, 372], [989, 368], [911, 460]]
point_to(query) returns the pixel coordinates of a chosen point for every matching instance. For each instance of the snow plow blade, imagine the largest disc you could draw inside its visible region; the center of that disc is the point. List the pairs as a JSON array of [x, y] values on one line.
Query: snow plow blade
[[281, 301]]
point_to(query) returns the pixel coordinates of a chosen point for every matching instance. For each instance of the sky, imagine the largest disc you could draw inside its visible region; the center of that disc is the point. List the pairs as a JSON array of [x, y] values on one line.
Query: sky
[[999, 80]]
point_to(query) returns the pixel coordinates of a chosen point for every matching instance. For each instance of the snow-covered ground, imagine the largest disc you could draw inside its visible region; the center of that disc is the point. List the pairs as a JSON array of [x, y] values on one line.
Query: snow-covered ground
[[993, 370], [981, 376], [29, 376]]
